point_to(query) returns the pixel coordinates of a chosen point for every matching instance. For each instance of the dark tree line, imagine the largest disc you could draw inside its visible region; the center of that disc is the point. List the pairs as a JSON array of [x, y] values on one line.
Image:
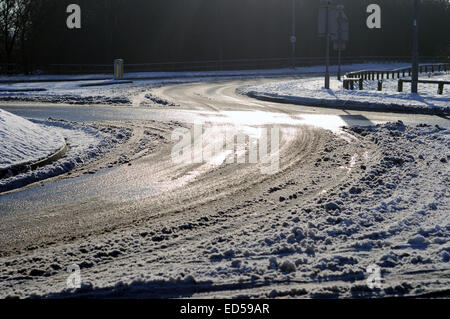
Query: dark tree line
[[34, 32]]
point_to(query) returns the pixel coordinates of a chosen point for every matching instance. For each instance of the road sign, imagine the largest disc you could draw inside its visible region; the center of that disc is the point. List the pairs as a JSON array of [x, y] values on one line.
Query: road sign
[[341, 38], [293, 39], [337, 22], [332, 21], [343, 27]]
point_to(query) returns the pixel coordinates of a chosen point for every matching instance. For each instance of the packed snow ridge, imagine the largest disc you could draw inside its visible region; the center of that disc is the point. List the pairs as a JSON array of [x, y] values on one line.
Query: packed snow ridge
[[24, 142], [85, 144]]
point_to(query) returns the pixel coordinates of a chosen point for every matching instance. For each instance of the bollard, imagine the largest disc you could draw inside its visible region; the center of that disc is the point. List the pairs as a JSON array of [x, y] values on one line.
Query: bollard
[[400, 85], [441, 89], [380, 85], [118, 69]]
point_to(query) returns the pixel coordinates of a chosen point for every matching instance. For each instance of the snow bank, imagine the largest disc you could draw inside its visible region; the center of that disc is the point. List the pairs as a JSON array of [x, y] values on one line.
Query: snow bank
[[311, 92], [86, 143], [23, 142]]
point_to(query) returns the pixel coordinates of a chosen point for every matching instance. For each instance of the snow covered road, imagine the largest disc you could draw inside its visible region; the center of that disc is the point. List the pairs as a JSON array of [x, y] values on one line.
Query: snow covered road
[[342, 201]]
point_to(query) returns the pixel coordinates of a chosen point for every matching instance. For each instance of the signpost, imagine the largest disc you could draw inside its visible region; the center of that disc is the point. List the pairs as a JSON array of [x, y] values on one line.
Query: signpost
[[342, 37], [325, 28], [333, 24]]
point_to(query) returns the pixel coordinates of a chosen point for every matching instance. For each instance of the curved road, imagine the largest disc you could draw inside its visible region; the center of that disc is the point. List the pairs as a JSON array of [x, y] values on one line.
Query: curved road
[[215, 102], [158, 191]]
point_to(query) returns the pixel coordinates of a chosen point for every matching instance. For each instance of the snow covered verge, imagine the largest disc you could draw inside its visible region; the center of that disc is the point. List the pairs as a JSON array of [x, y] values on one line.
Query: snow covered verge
[[312, 92], [82, 90], [393, 214], [24, 142], [85, 143]]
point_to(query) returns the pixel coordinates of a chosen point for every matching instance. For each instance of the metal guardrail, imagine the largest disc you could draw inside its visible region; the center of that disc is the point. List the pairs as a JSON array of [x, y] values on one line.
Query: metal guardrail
[[439, 83], [379, 75], [209, 65]]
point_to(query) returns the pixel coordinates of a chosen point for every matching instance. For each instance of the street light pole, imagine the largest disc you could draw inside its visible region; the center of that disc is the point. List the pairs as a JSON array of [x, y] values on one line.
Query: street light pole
[[342, 34], [219, 33], [293, 38], [339, 40], [415, 59], [327, 30]]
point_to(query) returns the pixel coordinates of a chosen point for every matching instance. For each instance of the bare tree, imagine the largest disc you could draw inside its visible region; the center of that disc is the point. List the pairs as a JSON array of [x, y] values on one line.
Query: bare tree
[[8, 27], [24, 25], [16, 26]]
